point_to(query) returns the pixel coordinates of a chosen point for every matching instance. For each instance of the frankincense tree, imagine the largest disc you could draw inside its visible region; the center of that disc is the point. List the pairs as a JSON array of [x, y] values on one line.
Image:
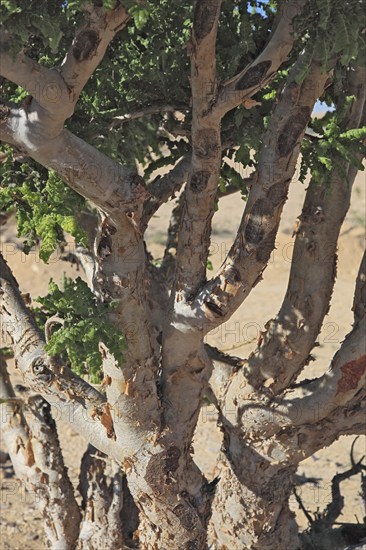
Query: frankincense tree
[[95, 96]]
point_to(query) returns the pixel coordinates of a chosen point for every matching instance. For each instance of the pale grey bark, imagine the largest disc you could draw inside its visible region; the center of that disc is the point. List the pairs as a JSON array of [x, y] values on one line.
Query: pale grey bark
[[289, 338], [29, 433], [201, 189], [147, 419], [73, 399]]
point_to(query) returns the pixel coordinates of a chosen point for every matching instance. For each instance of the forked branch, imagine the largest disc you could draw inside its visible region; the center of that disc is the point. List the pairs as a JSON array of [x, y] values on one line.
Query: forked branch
[[255, 240]]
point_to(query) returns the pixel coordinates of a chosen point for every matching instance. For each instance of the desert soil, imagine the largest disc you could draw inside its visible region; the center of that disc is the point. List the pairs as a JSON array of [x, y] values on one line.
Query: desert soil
[[21, 524]]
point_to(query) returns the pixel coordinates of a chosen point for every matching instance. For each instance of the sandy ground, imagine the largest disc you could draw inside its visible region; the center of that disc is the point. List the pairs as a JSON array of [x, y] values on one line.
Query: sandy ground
[[21, 525]]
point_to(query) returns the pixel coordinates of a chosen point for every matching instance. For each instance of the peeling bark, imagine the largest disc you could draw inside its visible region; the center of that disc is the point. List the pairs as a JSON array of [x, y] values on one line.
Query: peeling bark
[[289, 338], [146, 421], [73, 398], [105, 495], [35, 452]]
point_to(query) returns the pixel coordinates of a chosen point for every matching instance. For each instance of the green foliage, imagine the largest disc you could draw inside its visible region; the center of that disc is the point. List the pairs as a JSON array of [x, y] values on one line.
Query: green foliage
[[148, 64], [45, 206], [209, 265], [333, 148], [85, 324]]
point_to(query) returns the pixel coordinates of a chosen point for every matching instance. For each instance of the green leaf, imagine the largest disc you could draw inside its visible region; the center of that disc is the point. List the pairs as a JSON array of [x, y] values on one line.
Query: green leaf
[[354, 134], [85, 325]]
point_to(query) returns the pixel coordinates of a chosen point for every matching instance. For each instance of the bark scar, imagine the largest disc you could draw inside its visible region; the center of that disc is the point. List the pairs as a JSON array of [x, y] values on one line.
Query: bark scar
[[107, 421], [352, 373]]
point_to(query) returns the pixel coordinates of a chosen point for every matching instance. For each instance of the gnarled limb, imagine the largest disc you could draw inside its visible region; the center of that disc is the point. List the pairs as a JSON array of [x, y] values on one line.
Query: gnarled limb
[[35, 453], [337, 388], [119, 250], [249, 255], [54, 92], [201, 189], [284, 348]]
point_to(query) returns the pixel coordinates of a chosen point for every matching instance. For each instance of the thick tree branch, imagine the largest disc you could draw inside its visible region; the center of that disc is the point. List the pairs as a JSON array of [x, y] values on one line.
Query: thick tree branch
[[45, 86], [348, 420], [119, 270], [258, 73], [188, 374], [89, 46], [36, 455], [106, 183], [54, 92], [246, 260], [255, 240], [201, 190], [334, 390], [289, 338]]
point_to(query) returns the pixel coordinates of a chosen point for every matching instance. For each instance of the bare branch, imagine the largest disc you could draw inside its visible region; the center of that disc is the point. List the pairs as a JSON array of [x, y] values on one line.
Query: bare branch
[[106, 183], [312, 437], [54, 92], [89, 46], [164, 188], [201, 189], [289, 338], [147, 111], [337, 388], [255, 240], [35, 452], [258, 73], [46, 86]]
